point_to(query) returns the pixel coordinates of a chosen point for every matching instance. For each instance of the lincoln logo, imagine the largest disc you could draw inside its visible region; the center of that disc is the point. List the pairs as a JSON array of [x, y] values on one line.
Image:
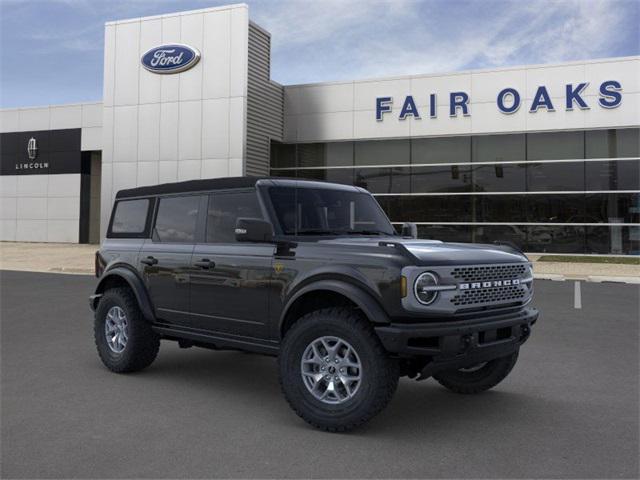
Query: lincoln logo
[[173, 58], [32, 149], [494, 283]]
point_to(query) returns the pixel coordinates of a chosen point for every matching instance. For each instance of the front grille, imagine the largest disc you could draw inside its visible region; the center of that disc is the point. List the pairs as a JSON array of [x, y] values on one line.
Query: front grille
[[489, 272], [491, 294], [512, 293]]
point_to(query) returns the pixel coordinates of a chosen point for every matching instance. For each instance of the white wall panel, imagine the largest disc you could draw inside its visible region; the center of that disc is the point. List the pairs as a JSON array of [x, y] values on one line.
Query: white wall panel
[[215, 128], [63, 208], [215, 168], [365, 93], [32, 208], [237, 126], [554, 78], [9, 120], [422, 86], [64, 185], [149, 83], [148, 173], [65, 116], [8, 185], [91, 138], [32, 185], [170, 84], [125, 175], [91, 115], [149, 132], [34, 119], [236, 167], [216, 62], [109, 68], [107, 135], [169, 131], [189, 169], [64, 231], [323, 99], [238, 62], [626, 72], [8, 208], [127, 63], [125, 134], [192, 35], [8, 230], [485, 86], [31, 230], [167, 171], [190, 130]]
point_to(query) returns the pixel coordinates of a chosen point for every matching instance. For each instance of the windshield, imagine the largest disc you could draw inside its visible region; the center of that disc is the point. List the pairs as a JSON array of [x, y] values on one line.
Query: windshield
[[324, 211]]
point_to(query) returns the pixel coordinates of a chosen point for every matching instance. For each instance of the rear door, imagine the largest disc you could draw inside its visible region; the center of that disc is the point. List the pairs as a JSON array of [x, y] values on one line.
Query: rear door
[[165, 258], [230, 280]]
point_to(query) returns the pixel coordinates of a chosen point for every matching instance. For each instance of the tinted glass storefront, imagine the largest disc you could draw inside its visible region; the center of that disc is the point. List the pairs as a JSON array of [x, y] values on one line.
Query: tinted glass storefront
[[568, 192]]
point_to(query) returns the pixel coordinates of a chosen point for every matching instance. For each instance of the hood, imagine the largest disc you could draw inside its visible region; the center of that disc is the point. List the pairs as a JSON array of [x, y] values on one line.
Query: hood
[[435, 252]]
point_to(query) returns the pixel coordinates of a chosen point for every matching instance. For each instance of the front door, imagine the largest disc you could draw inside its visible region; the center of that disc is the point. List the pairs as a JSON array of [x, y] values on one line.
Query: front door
[[165, 260], [230, 280]]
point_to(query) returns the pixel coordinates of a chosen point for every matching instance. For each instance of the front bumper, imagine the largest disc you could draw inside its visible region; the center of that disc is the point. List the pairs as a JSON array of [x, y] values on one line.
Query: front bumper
[[458, 344]]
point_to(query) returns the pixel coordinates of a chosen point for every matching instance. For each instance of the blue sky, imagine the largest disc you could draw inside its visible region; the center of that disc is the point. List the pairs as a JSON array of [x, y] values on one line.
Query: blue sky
[[51, 50]]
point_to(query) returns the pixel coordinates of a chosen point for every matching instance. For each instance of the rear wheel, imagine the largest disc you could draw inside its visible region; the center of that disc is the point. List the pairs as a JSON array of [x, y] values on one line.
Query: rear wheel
[[124, 339], [334, 372], [477, 378]]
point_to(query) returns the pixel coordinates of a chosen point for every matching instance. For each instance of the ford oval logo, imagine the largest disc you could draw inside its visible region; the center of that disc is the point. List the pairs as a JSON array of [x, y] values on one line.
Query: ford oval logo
[[173, 58]]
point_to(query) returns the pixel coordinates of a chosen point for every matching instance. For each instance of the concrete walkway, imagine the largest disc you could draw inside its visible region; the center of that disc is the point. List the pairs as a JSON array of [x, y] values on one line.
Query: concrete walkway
[[72, 258]]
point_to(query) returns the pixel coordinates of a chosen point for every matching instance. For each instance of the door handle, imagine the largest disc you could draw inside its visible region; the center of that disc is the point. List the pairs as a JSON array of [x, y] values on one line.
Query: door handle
[[149, 260], [205, 263]]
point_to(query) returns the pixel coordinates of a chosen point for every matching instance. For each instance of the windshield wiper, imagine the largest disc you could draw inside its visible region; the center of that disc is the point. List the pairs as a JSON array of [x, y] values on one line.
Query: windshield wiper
[[319, 232]]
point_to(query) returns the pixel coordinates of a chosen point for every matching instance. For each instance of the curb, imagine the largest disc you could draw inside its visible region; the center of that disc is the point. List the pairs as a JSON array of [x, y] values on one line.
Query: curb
[[587, 278]]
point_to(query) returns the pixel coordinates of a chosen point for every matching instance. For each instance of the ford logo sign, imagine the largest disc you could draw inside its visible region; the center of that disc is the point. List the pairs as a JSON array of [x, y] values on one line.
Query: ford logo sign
[[173, 58]]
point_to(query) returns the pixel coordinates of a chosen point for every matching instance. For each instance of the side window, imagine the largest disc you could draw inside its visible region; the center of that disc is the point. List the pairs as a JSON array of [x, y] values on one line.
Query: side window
[[225, 209], [176, 219], [130, 217]]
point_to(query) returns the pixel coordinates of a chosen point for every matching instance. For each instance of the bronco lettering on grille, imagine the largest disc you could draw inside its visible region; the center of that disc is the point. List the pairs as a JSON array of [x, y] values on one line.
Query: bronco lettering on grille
[[494, 283]]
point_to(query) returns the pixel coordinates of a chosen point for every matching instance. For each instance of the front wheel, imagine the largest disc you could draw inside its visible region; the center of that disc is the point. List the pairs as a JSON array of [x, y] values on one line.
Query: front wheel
[[124, 339], [477, 378], [334, 372]]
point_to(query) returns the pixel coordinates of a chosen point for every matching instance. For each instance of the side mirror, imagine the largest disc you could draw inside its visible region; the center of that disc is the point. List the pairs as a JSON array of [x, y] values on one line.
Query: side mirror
[[253, 230], [409, 230]]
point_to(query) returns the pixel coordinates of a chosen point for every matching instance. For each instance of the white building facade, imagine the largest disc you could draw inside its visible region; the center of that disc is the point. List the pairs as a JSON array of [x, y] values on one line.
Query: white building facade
[[544, 156]]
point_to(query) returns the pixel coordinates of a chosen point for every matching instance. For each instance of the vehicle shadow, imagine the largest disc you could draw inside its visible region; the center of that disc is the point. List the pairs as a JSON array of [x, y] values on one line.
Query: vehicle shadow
[[416, 406]]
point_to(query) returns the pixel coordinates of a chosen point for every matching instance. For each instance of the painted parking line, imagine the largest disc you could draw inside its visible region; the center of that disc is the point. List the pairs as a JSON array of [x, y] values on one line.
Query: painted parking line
[[577, 295]]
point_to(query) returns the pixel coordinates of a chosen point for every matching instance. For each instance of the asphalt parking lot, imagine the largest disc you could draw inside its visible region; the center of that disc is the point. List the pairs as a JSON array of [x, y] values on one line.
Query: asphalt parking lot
[[569, 408]]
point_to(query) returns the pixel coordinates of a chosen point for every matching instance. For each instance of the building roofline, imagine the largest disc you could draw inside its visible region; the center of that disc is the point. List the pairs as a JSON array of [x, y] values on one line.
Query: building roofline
[[179, 14], [467, 72]]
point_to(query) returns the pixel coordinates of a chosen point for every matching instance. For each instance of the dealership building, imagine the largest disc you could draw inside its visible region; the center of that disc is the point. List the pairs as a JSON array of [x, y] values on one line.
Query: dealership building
[[544, 156]]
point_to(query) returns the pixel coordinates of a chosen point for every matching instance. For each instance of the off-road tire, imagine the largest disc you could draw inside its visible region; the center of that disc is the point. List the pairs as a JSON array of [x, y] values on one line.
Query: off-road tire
[[478, 381], [379, 372], [143, 343]]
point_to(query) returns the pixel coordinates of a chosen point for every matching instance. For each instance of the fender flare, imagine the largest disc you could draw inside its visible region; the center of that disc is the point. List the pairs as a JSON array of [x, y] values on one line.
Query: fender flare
[[363, 300], [135, 283]]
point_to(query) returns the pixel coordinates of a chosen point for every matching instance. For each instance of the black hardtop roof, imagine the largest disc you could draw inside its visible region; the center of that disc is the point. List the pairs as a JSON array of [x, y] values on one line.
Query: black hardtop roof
[[226, 183]]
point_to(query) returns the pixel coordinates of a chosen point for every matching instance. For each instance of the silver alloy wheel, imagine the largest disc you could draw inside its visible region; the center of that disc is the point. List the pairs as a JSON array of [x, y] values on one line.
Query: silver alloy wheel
[[116, 329], [331, 370]]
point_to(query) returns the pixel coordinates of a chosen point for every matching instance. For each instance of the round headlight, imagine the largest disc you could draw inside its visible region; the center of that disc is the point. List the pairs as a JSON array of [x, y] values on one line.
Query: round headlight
[[423, 288]]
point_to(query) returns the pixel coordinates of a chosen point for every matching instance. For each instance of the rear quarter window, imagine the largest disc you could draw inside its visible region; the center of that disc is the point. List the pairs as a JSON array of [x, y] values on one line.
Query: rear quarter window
[[130, 218], [176, 219]]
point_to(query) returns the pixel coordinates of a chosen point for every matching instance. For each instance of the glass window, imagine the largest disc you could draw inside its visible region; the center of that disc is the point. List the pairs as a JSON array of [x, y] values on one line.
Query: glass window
[[613, 175], [382, 152], [613, 240], [613, 208], [555, 239], [624, 142], [499, 178], [499, 208], [176, 219], [516, 234], [224, 211], [567, 208], [555, 145], [315, 211], [334, 175], [446, 233], [429, 208], [439, 179], [499, 148], [283, 155], [130, 216], [441, 150], [325, 154], [549, 177], [383, 180]]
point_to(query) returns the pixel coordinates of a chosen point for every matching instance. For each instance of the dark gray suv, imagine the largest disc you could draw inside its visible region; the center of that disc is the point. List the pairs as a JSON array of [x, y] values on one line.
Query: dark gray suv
[[316, 274]]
